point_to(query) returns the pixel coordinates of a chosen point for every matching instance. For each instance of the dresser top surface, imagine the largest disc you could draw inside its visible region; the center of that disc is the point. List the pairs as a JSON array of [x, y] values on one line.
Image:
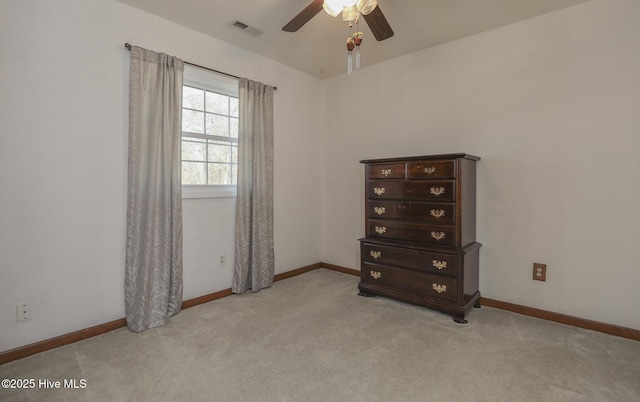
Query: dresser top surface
[[424, 157]]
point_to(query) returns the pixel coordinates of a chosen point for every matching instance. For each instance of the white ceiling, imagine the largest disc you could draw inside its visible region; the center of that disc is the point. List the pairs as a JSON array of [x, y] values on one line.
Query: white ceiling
[[319, 49]]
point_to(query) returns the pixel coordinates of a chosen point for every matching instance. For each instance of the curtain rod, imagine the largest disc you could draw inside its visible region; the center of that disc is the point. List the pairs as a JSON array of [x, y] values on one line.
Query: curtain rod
[[128, 46]]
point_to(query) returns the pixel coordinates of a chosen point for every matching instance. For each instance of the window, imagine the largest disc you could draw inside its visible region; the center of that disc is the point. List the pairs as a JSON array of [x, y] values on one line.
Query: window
[[209, 134]]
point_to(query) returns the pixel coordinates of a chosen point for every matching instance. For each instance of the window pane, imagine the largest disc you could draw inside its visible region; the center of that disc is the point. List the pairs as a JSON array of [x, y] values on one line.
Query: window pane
[[217, 125], [233, 107], [217, 103], [209, 161], [192, 121], [194, 173], [234, 153], [219, 152], [219, 173], [192, 98], [233, 127], [194, 151]]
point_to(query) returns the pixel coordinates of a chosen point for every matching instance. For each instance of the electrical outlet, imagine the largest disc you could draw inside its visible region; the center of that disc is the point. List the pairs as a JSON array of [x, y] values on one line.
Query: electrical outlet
[[24, 311], [539, 272], [222, 260]]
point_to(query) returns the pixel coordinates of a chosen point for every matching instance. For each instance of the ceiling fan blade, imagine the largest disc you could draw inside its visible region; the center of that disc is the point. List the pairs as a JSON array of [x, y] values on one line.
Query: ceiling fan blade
[[305, 15], [378, 24]]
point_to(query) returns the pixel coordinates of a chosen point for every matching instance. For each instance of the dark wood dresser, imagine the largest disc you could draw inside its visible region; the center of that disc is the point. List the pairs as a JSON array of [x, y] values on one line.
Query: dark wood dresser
[[420, 245]]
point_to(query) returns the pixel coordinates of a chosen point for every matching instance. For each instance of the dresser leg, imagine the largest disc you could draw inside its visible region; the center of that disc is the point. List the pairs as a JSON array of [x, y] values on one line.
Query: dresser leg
[[477, 305], [459, 320], [366, 294]]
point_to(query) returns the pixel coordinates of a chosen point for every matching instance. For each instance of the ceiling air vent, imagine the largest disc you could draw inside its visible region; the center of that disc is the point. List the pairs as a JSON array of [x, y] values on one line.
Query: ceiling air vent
[[246, 28]]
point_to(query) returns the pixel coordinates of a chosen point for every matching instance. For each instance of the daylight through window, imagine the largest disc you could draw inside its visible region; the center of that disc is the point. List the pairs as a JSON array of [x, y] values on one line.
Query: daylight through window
[[209, 137]]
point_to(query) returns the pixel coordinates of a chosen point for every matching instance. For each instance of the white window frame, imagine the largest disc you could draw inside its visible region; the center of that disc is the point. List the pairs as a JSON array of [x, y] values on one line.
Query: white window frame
[[210, 81]]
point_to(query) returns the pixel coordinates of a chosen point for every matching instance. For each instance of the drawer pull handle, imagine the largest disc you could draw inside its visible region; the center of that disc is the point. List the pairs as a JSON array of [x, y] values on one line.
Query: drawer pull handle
[[379, 210], [439, 288], [437, 191], [430, 170], [376, 274], [438, 213], [375, 254], [440, 265], [381, 229], [436, 235], [386, 172], [378, 190]]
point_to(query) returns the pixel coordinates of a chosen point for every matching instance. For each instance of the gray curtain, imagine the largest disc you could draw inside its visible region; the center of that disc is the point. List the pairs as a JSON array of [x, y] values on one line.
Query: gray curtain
[[254, 258], [153, 267]]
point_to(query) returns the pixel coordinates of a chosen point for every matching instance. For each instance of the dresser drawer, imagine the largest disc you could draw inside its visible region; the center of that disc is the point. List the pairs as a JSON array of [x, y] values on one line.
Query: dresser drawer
[[430, 169], [437, 286], [388, 229], [417, 260], [428, 212], [387, 171], [436, 190]]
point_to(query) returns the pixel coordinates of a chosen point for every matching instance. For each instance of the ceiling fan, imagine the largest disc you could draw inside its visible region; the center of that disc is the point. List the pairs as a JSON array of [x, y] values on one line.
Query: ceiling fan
[[368, 8]]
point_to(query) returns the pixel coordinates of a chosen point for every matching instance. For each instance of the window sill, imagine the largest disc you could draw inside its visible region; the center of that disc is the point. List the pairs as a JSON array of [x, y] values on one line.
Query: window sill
[[209, 191]]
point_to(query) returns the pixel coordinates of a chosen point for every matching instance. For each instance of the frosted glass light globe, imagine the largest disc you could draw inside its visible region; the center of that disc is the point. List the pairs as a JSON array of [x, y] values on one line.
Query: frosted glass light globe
[[332, 7], [350, 13]]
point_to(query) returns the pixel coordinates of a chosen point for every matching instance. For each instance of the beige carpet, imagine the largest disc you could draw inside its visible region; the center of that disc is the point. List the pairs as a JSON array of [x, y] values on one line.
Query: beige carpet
[[311, 338]]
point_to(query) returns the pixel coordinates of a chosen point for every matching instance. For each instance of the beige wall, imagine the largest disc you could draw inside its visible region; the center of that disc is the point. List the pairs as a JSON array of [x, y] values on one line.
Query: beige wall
[[552, 105]]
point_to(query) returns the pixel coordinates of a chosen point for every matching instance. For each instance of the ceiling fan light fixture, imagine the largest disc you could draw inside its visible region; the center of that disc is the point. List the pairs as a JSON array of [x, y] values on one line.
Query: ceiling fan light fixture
[[366, 6], [335, 7], [370, 9]]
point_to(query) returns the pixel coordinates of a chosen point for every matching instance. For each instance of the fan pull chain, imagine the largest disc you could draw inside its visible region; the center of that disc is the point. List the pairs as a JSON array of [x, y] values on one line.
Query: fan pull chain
[[350, 45], [357, 38]]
